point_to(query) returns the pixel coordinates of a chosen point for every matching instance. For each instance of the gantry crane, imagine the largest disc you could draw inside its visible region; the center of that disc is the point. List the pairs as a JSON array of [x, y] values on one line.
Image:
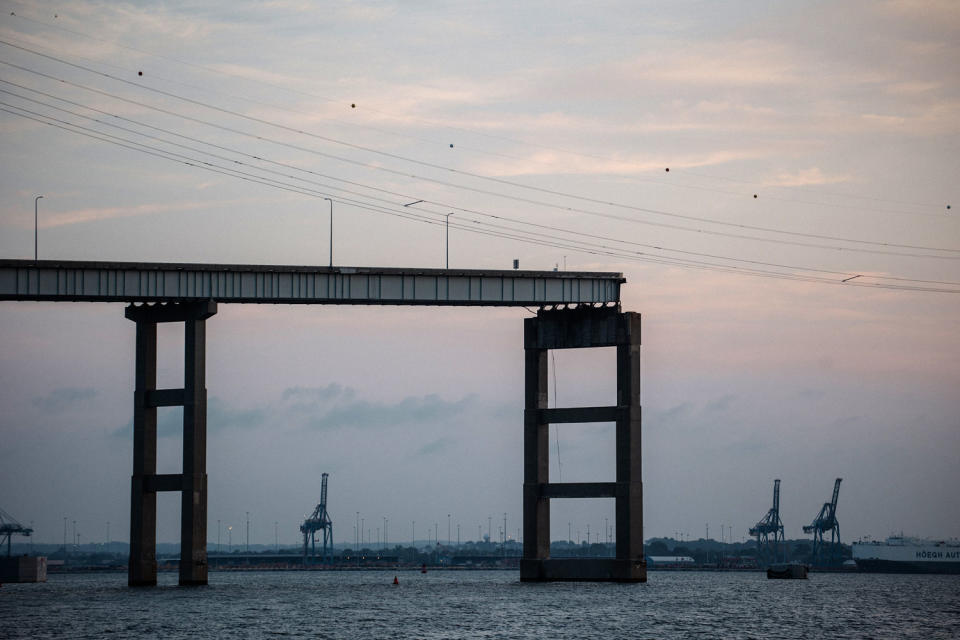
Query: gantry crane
[[318, 521], [9, 526], [769, 548], [822, 554]]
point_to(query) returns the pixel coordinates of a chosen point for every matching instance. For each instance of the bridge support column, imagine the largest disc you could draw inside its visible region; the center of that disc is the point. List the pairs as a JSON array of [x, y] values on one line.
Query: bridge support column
[[574, 329], [192, 482]]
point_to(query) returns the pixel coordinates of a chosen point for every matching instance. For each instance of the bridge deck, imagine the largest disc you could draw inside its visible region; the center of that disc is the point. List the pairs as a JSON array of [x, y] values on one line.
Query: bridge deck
[[60, 280]]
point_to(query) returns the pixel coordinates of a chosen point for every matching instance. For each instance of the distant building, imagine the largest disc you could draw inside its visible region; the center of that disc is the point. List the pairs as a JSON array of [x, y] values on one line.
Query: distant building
[[670, 561]]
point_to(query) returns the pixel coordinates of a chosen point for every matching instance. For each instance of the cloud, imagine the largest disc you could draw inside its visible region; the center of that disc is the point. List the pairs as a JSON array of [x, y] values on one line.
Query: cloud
[[806, 177], [335, 406], [77, 216], [721, 404], [673, 415], [440, 445], [63, 398], [309, 398], [220, 417], [937, 11], [749, 62], [550, 162], [321, 408], [410, 410]]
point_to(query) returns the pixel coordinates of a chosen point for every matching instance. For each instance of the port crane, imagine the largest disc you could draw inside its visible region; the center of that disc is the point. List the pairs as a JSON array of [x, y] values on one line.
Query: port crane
[[8, 527], [318, 521], [769, 532], [822, 554]]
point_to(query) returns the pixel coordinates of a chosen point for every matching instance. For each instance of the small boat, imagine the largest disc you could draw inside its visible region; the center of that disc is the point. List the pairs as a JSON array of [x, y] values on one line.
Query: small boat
[[788, 571]]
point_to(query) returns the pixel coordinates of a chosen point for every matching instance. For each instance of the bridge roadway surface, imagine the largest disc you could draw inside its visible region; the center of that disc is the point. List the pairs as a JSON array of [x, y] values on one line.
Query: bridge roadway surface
[[78, 281]]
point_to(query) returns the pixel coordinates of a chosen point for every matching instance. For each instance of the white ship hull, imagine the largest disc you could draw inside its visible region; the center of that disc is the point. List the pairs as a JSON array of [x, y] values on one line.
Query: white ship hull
[[899, 555]]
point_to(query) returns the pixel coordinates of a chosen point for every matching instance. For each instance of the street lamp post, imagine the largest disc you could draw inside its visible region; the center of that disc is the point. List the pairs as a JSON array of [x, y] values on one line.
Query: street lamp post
[[35, 217], [331, 230], [447, 217]]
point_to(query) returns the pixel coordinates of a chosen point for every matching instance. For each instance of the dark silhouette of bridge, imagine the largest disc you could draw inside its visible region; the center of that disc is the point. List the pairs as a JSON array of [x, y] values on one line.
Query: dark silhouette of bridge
[[575, 310]]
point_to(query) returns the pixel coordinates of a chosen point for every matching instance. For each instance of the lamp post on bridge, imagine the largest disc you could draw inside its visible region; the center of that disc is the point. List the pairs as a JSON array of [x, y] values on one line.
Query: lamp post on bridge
[[35, 227], [331, 230], [447, 217]]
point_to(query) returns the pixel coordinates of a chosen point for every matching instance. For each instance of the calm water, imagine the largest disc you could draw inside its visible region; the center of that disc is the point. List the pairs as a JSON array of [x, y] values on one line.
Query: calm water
[[488, 604]]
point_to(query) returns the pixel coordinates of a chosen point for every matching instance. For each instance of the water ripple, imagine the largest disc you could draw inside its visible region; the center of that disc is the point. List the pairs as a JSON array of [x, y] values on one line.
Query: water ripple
[[484, 604]]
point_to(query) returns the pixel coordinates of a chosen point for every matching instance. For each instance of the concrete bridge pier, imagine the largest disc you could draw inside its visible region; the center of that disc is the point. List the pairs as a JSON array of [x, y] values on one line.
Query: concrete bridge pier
[[192, 482], [576, 329]]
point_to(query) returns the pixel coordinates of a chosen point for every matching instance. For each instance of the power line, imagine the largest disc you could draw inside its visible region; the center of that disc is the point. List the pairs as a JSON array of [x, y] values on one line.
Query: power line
[[515, 198], [483, 133], [462, 172], [552, 228], [636, 256]]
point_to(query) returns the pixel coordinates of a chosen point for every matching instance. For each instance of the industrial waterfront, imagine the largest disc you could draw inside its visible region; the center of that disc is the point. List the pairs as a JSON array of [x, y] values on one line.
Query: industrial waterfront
[[766, 546], [484, 604]]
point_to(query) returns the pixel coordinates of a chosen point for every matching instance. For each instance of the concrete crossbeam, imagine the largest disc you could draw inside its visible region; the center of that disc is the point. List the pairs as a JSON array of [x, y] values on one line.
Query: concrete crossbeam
[[580, 414], [580, 490], [164, 398], [163, 482]]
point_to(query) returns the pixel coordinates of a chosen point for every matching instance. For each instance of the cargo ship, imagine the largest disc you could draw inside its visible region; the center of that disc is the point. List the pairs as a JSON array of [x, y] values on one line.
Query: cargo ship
[[908, 555]]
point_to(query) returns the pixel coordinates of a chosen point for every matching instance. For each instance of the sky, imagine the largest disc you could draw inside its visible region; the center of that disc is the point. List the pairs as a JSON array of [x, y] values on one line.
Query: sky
[[735, 161]]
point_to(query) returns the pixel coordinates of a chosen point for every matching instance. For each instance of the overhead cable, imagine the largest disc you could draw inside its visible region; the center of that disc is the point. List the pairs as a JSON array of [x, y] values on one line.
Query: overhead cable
[[552, 228], [464, 173], [636, 256]]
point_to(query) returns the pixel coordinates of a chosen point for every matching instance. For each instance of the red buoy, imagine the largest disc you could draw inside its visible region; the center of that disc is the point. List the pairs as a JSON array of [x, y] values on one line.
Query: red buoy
[[395, 581]]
